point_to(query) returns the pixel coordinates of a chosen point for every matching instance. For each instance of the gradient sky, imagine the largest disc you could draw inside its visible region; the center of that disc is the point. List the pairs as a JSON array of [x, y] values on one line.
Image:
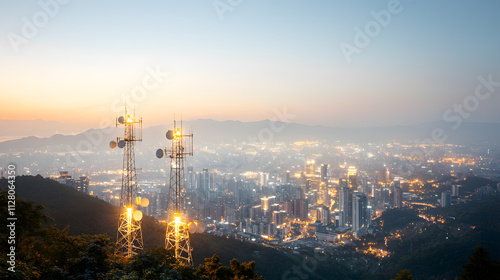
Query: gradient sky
[[263, 56]]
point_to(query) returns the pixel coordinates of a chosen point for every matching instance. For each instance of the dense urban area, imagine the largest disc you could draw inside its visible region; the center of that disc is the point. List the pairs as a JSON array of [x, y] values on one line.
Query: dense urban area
[[303, 197]]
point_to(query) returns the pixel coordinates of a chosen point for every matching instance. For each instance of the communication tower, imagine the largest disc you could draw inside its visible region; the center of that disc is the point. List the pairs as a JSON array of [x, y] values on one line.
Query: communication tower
[[178, 226], [129, 236]]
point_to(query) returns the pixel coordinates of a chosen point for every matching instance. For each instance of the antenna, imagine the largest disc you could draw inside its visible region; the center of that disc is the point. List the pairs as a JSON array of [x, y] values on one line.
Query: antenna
[[178, 229], [129, 236]]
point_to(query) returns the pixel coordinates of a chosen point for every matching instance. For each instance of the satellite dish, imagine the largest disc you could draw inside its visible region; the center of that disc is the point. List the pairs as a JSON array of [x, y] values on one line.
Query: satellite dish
[[138, 215], [200, 227], [138, 200], [120, 119], [159, 153], [121, 144], [112, 144], [170, 134], [192, 228], [145, 202]]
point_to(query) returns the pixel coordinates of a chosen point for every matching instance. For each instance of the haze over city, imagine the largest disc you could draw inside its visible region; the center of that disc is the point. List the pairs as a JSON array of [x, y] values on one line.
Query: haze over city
[[233, 139]]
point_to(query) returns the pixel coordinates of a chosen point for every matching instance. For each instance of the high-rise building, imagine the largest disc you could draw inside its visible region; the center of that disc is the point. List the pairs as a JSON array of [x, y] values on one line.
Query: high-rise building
[[279, 217], [203, 183], [345, 205], [445, 198], [352, 177], [303, 209], [264, 178], [324, 215], [324, 173], [298, 208], [287, 178], [310, 167], [190, 178], [455, 190], [255, 212], [82, 185], [360, 216], [266, 202], [398, 195]]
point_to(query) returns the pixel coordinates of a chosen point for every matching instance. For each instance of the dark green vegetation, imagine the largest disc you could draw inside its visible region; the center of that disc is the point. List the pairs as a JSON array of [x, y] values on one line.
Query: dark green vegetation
[[46, 252], [83, 214], [393, 219], [480, 266], [404, 275], [438, 250], [473, 182]]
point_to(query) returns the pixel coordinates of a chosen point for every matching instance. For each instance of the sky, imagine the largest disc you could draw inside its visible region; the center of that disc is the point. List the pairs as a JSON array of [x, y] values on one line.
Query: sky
[[80, 62]]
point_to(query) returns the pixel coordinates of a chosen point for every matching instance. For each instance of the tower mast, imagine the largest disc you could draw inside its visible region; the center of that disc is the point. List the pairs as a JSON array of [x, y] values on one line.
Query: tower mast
[[129, 235], [177, 235]]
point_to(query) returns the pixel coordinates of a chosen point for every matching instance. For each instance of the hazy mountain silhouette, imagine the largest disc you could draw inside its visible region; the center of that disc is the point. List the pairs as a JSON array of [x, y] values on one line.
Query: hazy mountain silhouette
[[14, 129], [209, 131]]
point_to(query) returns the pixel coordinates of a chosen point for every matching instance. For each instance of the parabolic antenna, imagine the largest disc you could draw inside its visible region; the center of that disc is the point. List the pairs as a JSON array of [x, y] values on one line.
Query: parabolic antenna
[[120, 119], [138, 200], [112, 144], [170, 134], [138, 215], [192, 228], [145, 202], [159, 153], [121, 144], [200, 227]]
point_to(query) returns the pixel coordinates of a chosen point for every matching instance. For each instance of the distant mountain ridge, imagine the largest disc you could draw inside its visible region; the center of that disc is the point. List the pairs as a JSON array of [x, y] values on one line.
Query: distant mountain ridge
[[15, 129], [209, 131]]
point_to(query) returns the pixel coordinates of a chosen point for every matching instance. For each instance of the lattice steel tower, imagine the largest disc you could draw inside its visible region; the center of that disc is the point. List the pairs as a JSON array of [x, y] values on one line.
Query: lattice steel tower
[[129, 236], [178, 228]]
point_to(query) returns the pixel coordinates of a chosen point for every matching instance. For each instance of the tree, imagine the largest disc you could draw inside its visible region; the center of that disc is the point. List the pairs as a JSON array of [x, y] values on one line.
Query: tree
[[404, 275], [214, 270], [480, 266]]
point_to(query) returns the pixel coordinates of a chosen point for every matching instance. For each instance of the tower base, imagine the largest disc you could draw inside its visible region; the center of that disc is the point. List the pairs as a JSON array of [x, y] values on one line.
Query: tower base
[[129, 240], [177, 239]]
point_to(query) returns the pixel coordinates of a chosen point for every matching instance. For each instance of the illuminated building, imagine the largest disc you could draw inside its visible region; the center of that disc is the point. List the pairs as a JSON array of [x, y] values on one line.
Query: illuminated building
[[352, 176], [266, 202], [297, 208], [264, 178], [82, 185], [310, 167], [398, 195], [286, 178], [324, 215], [345, 204], [455, 190], [279, 217], [360, 217], [324, 173], [445, 198]]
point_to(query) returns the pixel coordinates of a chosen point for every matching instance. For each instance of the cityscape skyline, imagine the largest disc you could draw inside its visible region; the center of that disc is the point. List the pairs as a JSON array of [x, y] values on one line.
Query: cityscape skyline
[[289, 139]]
